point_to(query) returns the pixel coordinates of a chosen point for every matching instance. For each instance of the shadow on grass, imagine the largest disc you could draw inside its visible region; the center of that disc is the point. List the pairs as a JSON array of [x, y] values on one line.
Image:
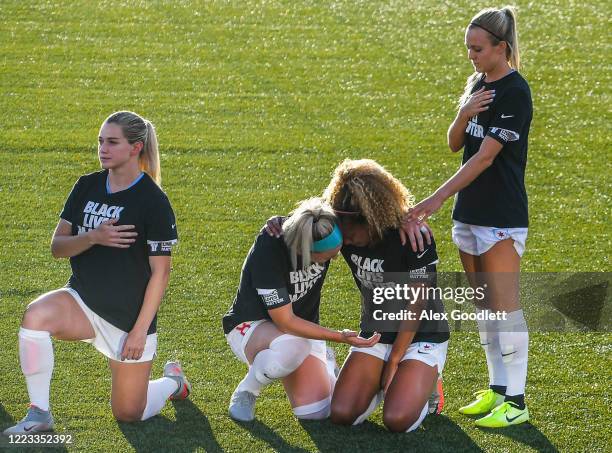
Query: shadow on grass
[[436, 434], [7, 420], [189, 432], [265, 433], [526, 434]]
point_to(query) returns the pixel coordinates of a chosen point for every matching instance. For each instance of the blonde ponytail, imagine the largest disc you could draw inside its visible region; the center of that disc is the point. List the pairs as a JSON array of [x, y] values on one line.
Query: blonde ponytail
[[501, 26], [312, 220], [138, 129]]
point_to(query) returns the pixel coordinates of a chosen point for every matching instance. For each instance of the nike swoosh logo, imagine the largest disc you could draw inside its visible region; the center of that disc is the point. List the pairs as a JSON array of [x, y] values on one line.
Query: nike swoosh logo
[[507, 116], [420, 352], [511, 419], [418, 256], [30, 428], [510, 353]]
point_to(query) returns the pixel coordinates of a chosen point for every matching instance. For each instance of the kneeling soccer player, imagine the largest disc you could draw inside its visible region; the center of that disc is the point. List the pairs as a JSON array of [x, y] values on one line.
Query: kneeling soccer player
[[117, 227], [272, 325]]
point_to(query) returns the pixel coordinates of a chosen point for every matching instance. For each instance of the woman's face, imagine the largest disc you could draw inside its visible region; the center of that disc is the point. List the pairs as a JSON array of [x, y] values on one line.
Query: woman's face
[[323, 257], [354, 233], [113, 148], [484, 56]]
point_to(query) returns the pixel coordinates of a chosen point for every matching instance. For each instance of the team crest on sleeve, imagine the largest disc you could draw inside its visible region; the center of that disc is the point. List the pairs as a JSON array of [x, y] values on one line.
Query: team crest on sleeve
[[504, 134], [271, 297], [160, 246]]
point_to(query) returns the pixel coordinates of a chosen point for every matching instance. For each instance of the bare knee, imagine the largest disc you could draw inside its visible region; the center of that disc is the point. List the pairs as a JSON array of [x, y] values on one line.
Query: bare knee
[[342, 413], [399, 421], [128, 413], [38, 317]]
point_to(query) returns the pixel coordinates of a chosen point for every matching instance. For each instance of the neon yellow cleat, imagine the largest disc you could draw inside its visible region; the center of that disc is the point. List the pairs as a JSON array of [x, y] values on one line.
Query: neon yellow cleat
[[507, 414], [486, 400]]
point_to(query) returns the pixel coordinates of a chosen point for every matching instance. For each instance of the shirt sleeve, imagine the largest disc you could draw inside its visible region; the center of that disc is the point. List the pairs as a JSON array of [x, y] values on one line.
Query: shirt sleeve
[[509, 116], [67, 212], [160, 228], [268, 275]]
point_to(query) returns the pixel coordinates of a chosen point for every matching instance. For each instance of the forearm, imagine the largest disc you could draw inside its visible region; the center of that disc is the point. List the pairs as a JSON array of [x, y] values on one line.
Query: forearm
[[306, 329], [464, 176], [407, 331], [456, 132], [152, 299], [69, 246]]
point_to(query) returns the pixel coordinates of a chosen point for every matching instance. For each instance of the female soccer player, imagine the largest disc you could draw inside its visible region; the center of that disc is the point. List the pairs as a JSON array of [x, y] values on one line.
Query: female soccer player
[[490, 215], [404, 365], [273, 323], [118, 228]]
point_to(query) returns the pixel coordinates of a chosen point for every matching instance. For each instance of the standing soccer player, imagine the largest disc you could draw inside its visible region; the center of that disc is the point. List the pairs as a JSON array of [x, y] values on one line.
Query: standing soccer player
[[118, 228], [490, 215]]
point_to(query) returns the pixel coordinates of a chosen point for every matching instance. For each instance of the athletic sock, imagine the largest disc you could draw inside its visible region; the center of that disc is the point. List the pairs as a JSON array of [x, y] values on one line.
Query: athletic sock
[[157, 394], [36, 358], [519, 400], [499, 389], [489, 340], [514, 341]]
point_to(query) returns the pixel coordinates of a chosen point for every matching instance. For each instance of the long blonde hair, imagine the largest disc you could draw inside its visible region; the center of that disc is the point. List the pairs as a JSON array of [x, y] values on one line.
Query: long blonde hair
[[499, 23], [138, 129], [312, 220], [373, 194]]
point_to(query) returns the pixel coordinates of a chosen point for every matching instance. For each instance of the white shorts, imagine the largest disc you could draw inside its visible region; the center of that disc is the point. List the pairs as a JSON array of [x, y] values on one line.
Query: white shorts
[[476, 240], [240, 335], [432, 354], [109, 339]]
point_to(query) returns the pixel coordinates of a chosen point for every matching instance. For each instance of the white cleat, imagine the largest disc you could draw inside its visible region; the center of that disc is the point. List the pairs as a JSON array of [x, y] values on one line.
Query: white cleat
[[242, 406], [36, 421]]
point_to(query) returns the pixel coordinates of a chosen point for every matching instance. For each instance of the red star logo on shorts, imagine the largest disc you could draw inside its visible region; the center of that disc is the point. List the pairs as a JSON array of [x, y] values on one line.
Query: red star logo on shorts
[[242, 328]]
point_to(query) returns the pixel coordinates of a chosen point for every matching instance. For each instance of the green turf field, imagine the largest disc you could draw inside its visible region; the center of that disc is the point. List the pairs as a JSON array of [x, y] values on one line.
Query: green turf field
[[255, 103]]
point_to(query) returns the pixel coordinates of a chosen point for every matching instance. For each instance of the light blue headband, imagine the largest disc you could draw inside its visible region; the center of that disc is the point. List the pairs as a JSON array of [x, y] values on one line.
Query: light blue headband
[[330, 242]]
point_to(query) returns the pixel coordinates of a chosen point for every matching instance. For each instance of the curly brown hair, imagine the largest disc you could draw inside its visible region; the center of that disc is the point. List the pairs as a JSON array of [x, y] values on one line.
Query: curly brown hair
[[370, 193]]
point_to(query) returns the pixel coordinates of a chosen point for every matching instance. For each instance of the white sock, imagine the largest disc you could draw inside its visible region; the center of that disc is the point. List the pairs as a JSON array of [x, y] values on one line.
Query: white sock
[[157, 394], [422, 416], [514, 341], [285, 354], [371, 408], [36, 357], [489, 340]]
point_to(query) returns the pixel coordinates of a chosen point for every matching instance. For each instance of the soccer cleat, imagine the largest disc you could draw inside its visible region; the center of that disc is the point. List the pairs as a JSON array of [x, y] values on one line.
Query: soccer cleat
[[507, 414], [242, 406], [436, 400], [485, 401], [332, 365], [173, 370], [35, 421]]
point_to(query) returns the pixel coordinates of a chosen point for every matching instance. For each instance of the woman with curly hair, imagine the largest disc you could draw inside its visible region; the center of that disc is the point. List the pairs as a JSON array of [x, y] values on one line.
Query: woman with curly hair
[[404, 366]]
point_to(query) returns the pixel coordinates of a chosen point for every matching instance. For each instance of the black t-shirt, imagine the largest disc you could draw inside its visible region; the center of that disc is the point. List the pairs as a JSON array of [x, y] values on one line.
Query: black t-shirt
[[497, 197], [112, 281], [369, 265], [268, 281]]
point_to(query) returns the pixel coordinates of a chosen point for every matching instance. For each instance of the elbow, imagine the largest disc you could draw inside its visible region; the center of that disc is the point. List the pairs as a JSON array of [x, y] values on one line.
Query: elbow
[[486, 162], [55, 252]]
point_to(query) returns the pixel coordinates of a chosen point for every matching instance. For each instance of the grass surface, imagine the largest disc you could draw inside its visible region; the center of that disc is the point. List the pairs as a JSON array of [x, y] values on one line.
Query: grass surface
[[255, 104]]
